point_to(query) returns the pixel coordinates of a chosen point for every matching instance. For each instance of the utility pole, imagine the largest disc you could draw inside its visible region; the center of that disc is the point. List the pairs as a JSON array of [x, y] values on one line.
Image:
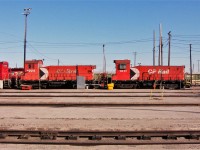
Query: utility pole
[[161, 46], [198, 66], [104, 75], [193, 68], [104, 60], [169, 50], [58, 62], [191, 64], [26, 13], [160, 55], [154, 46], [135, 53], [159, 50]]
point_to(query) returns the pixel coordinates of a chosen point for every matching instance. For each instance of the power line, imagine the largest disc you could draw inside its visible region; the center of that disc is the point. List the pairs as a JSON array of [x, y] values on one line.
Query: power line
[[41, 53], [10, 47], [9, 42], [195, 50], [186, 36]]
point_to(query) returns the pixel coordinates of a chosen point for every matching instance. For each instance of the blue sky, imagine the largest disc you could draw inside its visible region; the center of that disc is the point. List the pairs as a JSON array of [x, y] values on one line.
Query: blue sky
[[74, 31]]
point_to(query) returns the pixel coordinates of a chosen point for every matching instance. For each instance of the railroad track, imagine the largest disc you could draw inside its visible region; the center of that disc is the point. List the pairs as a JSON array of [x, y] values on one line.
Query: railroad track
[[124, 91], [98, 95], [96, 104], [99, 137], [96, 92]]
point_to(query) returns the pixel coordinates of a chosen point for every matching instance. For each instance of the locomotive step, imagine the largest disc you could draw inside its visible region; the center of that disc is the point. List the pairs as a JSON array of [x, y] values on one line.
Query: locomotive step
[[26, 87]]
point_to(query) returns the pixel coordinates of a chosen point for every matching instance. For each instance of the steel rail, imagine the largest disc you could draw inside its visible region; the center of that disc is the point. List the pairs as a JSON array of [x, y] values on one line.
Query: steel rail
[[96, 92], [63, 104], [99, 137], [92, 95]]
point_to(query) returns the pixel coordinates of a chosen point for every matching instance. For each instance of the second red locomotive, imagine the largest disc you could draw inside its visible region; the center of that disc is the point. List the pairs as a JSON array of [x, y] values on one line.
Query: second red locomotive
[[169, 77]]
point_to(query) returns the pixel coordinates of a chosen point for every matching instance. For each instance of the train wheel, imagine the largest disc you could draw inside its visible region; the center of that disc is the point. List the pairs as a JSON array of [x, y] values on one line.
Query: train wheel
[[44, 86], [134, 86], [171, 86], [126, 86]]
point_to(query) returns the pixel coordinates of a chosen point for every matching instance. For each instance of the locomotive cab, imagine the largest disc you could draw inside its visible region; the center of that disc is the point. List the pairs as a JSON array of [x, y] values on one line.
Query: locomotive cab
[[3, 70], [4, 75], [31, 71], [122, 70], [31, 74], [122, 77]]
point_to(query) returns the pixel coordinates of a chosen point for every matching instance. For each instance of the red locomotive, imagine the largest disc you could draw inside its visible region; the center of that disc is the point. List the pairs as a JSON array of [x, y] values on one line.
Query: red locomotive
[[170, 77], [55, 76], [4, 70], [4, 73], [37, 75]]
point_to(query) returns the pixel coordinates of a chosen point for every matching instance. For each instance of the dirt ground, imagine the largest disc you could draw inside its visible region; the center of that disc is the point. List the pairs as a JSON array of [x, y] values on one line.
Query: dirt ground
[[100, 118], [103, 118], [104, 147]]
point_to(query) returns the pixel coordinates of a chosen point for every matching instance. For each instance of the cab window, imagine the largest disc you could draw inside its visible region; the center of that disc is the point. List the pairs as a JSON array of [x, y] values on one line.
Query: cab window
[[29, 66], [122, 66]]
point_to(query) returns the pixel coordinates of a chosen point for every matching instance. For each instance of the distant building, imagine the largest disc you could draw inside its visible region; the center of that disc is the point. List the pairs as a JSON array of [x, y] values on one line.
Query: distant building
[[195, 78]]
